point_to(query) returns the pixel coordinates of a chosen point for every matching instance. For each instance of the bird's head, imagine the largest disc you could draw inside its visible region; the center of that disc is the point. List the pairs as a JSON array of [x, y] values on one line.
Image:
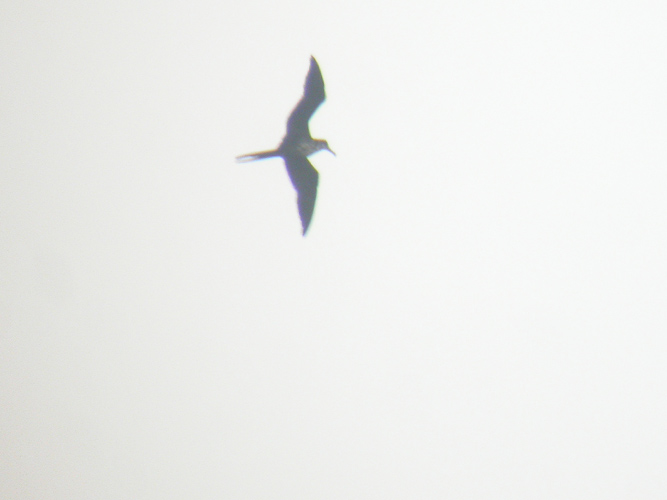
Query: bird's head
[[324, 145]]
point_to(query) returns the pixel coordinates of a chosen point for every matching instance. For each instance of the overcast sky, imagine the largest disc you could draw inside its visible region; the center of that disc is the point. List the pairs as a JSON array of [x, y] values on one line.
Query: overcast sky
[[477, 312]]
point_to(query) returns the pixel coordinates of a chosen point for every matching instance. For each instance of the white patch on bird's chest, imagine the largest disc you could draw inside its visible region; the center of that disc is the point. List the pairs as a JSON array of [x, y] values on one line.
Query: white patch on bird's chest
[[307, 148]]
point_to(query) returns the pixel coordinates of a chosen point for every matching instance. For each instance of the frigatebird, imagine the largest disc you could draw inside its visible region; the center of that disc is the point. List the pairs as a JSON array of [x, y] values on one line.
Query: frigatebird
[[298, 145]]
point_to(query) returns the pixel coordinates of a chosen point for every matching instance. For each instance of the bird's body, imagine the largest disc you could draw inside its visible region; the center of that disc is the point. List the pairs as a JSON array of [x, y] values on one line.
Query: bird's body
[[297, 145]]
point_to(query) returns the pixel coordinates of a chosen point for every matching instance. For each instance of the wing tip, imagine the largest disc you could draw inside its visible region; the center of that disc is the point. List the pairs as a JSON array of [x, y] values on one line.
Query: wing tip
[[314, 63], [304, 229]]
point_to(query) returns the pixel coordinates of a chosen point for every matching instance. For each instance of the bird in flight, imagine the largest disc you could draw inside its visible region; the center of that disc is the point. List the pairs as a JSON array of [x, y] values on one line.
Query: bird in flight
[[298, 145]]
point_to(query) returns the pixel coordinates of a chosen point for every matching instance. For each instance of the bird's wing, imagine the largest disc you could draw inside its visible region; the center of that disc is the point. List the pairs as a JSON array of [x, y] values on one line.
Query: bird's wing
[[304, 179], [313, 96]]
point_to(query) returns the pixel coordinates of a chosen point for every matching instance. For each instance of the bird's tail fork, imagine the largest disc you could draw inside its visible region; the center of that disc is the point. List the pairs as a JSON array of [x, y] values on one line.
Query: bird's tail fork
[[257, 156]]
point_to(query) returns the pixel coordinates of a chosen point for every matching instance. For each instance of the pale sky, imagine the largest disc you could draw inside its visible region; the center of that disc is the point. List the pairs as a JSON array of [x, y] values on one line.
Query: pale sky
[[478, 309]]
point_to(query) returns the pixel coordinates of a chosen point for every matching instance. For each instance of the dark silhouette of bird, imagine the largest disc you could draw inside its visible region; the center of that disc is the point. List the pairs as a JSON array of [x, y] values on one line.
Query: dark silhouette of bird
[[298, 145]]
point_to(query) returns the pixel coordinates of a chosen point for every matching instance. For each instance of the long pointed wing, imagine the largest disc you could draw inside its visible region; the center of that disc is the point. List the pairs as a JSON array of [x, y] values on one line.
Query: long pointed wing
[[313, 96], [304, 179]]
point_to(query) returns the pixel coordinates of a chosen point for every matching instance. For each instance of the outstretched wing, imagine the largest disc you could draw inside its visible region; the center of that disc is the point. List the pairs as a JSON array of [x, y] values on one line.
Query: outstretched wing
[[313, 96], [304, 179]]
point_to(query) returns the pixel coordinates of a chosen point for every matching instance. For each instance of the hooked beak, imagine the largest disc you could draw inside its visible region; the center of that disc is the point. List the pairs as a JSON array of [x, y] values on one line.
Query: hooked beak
[[330, 151]]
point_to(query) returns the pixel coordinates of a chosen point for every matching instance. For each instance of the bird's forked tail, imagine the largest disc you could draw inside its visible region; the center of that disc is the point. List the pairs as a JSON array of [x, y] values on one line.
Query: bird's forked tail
[[257, 156]]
